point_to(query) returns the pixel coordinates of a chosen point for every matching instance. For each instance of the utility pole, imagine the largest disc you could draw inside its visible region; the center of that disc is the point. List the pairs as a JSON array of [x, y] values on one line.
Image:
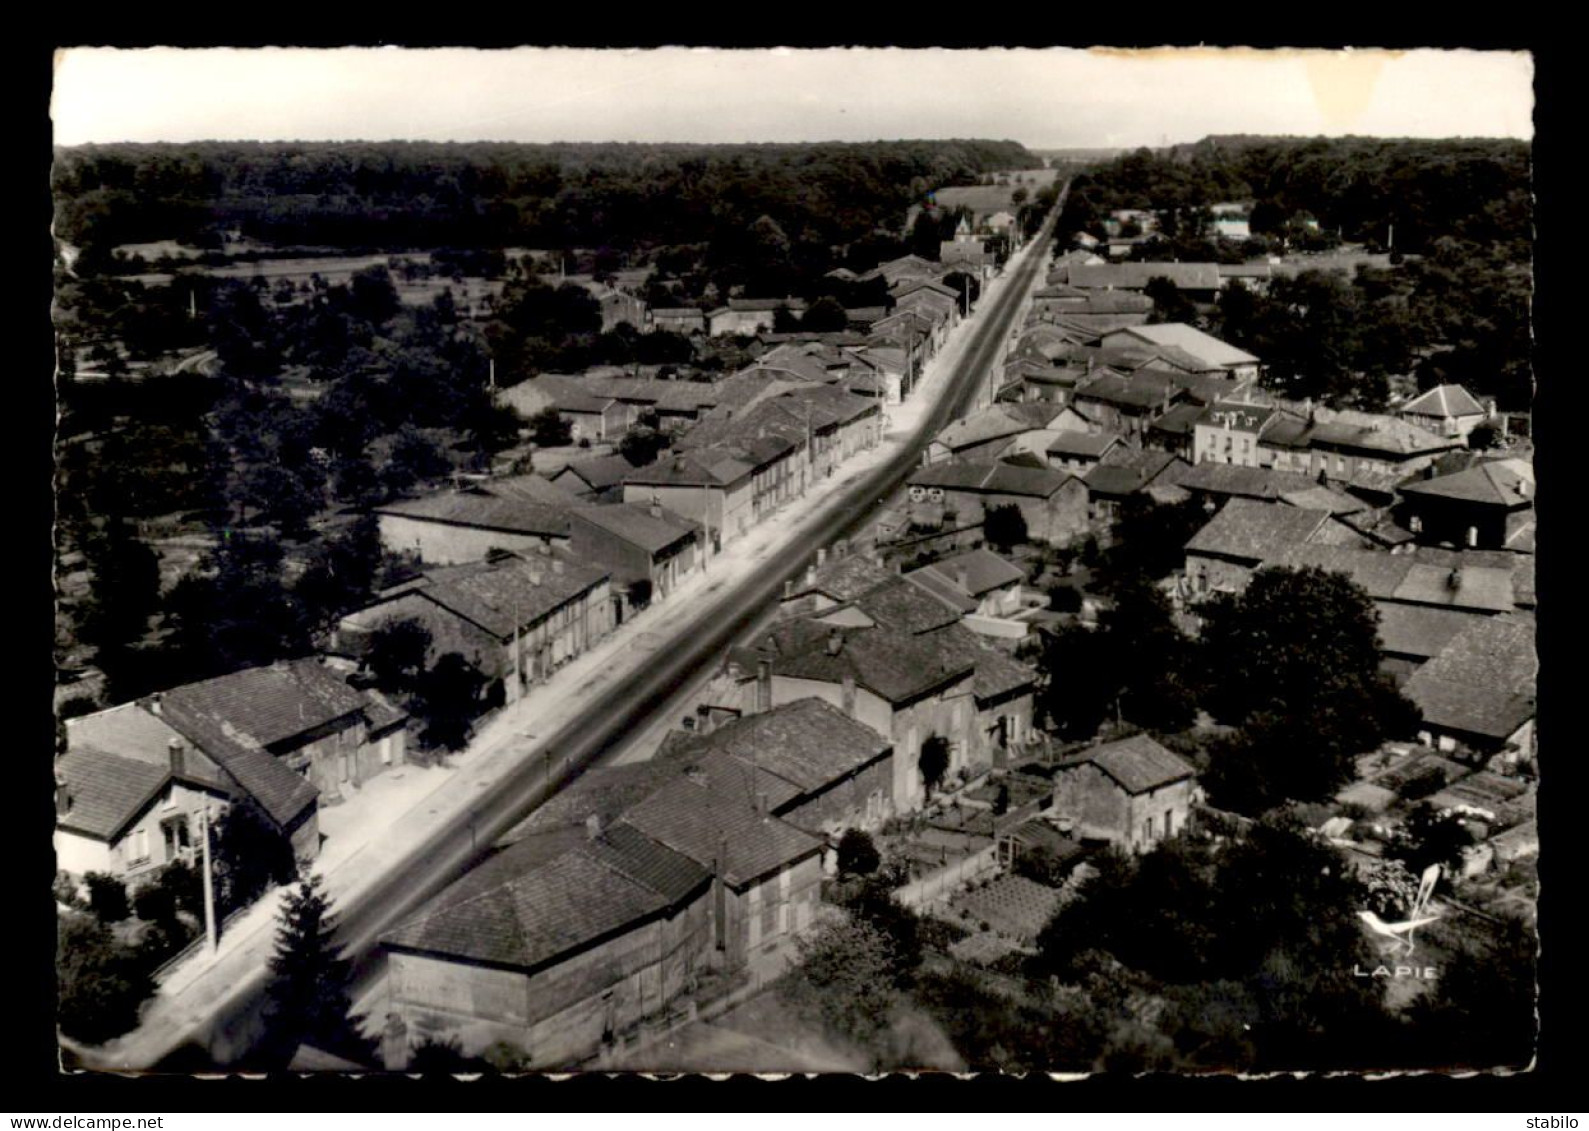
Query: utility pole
[[210, 932]]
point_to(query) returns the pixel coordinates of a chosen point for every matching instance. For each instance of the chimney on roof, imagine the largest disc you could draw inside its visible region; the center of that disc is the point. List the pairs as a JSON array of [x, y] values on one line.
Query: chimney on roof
[[1521, 487], [962, 579], [822, 555], [179, 757], [154, 703], [835, 642], [63, 795], [557, 566], [1454, 579], [761, 804], [655, 508], [763, 685], [592, 826], [788, 589]]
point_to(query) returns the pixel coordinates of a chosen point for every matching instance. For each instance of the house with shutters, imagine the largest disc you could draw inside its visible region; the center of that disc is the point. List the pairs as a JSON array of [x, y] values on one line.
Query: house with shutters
[[1479, 693], [747, 317], [675, 319], [619, 903], [636, 543]]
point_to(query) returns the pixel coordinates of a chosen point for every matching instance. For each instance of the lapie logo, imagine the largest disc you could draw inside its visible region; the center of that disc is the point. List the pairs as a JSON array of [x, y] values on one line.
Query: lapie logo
[[1401, 933]]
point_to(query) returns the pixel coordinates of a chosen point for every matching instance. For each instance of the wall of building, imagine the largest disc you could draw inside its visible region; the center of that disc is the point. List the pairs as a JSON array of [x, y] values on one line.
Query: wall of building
[[1214, 444], [861, 801], [558, 1016], [1101, 809], [441, 544], [727, 512], [763, 918], [1207, 574]]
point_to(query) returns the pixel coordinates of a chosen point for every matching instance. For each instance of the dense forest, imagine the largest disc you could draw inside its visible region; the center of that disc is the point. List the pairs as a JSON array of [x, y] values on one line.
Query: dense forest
[[395, 195], [1357, 187]]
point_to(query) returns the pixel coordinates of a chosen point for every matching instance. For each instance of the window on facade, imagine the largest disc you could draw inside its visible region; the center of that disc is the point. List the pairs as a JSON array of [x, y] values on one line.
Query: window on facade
[[139, 846], [1147, 829], [1415, 524]]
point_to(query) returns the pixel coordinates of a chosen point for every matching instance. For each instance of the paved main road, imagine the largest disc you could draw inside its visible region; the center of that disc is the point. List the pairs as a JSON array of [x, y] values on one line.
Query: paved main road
[[625, 706]]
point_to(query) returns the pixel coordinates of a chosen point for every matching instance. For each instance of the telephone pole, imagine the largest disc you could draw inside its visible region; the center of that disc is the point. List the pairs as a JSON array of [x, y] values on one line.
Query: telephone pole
[[211, 935]]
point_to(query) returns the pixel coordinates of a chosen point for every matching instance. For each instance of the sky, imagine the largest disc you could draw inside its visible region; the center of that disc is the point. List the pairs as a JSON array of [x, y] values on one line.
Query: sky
[[1046, 98]]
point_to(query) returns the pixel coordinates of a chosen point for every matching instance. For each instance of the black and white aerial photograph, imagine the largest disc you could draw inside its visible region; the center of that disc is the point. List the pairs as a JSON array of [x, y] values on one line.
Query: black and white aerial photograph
[[794, 561]]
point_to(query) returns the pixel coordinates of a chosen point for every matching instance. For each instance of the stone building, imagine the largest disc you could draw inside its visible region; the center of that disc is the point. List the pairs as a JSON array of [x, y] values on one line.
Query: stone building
[[1132, 793]]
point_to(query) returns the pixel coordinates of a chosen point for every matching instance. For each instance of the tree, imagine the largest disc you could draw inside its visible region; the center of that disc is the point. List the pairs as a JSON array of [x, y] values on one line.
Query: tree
[[1004, 527], [101, 985], [549, 430], [1298, 654], [397, 654], [125, 589], [447, 701], [933, 761], [1169, 304], [307, 997], [825, 315], [841, 979], [342, 571], [1433, 836], [415, 458], [1484, 437], [251, 854], [858, 856], [107, 897]]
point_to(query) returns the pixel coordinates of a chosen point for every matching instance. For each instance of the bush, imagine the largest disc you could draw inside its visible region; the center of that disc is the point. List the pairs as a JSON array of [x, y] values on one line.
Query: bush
[[107, 897], [102, 985], [857, 854], [66, 890], [1064, 599], [76, 706]]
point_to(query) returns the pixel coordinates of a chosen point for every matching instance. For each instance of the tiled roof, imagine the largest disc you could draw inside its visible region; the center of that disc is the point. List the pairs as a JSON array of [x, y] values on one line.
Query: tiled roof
[[710, 815], [629, 851], [1135, 276], [1379, 573], [995, 675], [282, 793], [1466, 587], [1418, 630], [898, 604], [512, 593], [535, 917], [1507, 482], [1483, 682], [896, 665], [1443, 401], [984, 571], [1320, 498], [808, 743], [1255, 532], [1139, 390], [695, 468], [638, 525], [1249, 482], [599, 472], [1092, 444], [991, 478], [106, 790], [270, 704], [845, 578], [489, 508], [1124, 471], [943, 589], [1206, 348], [1137, 763]]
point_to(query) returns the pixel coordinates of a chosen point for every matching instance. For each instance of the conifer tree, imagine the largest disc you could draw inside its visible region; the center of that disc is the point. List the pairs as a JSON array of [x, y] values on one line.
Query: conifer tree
[[308, 997]]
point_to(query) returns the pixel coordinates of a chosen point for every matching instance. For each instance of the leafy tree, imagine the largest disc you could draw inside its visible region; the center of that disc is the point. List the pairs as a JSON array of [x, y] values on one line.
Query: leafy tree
[[251, 854], [642, 444], [1004, 527], [397, 653], [415, 459], [1149, 540], [124, 590], [374, 298], [841, 978], [1484, 437], [342, 571], [102, 985], [639, 592], [107, 897], [1298, 655], [825, 315], [237, 611], [549, 430], [307, 997], [858, 856], [1169, 303], [447, 700], [933, 761], [1433, 836]]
